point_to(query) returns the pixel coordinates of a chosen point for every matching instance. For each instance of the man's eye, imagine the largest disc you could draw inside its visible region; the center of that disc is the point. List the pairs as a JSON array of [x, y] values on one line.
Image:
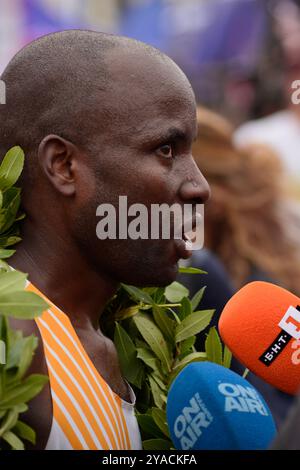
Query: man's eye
[[166, 151]]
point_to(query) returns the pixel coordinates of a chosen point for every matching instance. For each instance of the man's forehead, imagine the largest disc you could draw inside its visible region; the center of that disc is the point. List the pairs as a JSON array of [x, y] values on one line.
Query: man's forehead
[[167, 129], [147, 75], [148, 93], [153, 121]]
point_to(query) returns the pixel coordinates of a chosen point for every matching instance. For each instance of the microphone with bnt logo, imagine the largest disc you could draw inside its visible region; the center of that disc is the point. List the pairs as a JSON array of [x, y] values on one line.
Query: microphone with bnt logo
[[261, 326]]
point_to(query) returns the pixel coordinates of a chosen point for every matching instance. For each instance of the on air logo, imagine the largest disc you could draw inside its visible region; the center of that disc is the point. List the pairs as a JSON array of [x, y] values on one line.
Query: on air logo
[[191, 422], [241, 399]]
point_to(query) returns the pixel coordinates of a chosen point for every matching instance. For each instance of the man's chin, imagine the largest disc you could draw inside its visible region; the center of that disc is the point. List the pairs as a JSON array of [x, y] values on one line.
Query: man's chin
[[157, 277]]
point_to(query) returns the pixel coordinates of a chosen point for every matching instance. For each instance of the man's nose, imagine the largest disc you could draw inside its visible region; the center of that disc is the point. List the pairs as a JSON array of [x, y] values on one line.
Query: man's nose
[[195, 188]]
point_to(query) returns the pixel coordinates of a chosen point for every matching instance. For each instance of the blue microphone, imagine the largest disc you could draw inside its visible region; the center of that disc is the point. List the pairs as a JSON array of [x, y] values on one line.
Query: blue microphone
[[210, 407]]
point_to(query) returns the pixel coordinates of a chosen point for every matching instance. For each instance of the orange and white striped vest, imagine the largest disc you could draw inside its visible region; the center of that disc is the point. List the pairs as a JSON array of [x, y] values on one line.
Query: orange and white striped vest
[[87, 414]]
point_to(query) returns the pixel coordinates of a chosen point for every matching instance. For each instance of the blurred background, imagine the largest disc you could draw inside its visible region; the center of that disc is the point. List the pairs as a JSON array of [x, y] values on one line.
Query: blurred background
[[235, 52]]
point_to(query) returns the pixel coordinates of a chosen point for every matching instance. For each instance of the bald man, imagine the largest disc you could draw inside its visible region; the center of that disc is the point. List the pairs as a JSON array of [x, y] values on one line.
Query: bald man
[[98, 116]]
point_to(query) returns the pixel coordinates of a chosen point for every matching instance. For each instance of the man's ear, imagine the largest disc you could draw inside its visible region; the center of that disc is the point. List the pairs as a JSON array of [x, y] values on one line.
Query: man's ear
[[57, 158]]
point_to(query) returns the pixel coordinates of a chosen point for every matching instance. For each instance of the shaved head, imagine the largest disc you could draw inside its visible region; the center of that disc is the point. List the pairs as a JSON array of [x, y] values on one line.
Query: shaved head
[[63, 84]]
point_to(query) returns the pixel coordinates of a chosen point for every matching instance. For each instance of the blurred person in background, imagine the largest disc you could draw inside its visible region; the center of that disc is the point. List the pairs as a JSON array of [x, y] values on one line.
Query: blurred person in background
[[250, 223], [281, 129]]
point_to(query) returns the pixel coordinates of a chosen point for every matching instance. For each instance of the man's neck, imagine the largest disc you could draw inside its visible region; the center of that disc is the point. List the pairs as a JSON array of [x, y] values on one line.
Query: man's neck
[[61, 273]]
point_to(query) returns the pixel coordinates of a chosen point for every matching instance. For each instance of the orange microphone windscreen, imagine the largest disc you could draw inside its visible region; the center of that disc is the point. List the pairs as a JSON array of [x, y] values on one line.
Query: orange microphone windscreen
[[261, 326]]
